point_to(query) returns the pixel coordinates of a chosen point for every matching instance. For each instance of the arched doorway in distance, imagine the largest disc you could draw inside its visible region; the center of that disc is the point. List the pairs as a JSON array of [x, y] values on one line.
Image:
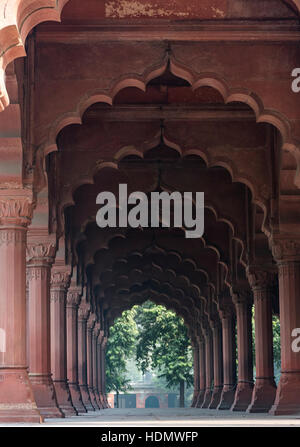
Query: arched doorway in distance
[[152, 402]]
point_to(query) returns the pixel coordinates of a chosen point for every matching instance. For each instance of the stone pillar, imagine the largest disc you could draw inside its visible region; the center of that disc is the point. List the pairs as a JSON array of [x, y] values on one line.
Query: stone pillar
[[196, 374], [209, 367], [202, 372], [73, 299], [287, 254], [40, 256], [17, 403], [229, 358], [265, 387], [90, 367], [83, 314], [60, 277], [95, 334], [218, 363], [245, 384], [103, 358], [99, 369]]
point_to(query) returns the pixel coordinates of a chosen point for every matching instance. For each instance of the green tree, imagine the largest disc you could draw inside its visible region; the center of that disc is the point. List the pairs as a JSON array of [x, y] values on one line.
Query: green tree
[[163, 344], [276, 346], [120, 346], [276, 343]]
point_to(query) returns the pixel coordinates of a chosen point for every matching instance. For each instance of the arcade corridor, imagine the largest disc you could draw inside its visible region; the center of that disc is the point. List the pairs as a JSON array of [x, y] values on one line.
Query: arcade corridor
[[163, 97]]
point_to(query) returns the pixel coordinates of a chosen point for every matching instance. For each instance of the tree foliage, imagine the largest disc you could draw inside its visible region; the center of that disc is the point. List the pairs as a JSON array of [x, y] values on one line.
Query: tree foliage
[[120, 346], [163, 344], [276, 346], [159, 341]]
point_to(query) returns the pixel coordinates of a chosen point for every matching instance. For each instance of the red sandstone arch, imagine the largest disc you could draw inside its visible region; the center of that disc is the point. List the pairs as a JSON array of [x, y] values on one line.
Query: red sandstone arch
[[17, 18], [112, 279], [109, 239], [228, 92], [210, 161], [295, 4], [158, 298]]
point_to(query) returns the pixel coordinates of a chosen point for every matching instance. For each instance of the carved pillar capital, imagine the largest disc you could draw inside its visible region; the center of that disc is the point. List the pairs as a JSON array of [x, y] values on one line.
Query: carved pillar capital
[[60, 278], [96, 329], [206, 330], [84, 310], [225, 308], [240, 296], [73, 296], [41, 248], [16, 207], [199, 334], [100, 336], [225, 305], [259, 278], [215, 322], [285, 248], [91, 321]]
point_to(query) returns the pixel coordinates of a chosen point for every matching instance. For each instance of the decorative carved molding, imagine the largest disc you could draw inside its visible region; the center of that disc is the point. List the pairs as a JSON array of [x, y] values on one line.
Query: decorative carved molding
[[60, 279], [287, 270], [240, 296], [41, 252], [57, 296], [225, 306], [285, 249], [215, 322], [84, 310], [12, 236], [16, 208], [258, 278], [36, 273], [100, 336], [96, 330], [91, 321], [226, 312], [73, 296]]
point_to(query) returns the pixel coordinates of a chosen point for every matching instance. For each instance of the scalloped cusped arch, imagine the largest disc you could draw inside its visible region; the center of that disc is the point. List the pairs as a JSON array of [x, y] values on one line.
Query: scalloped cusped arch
[[19, 17], [230, 94]]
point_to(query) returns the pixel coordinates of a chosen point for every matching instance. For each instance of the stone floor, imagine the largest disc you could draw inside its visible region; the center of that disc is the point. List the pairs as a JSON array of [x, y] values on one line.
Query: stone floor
[[173, 417]]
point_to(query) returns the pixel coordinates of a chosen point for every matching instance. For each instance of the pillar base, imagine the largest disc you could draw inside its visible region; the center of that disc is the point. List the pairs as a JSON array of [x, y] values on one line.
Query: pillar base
[[263, 396], [207, 398], [100, 400], [195, 398], [287, 399], [216, 398], [63, 397], [97, 398], [200, 399], [45, 396], [17, 403], [106, 402], [86, 398], [243, 396], [103, 401], [93, 398], [227, 397], [77, 398]]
